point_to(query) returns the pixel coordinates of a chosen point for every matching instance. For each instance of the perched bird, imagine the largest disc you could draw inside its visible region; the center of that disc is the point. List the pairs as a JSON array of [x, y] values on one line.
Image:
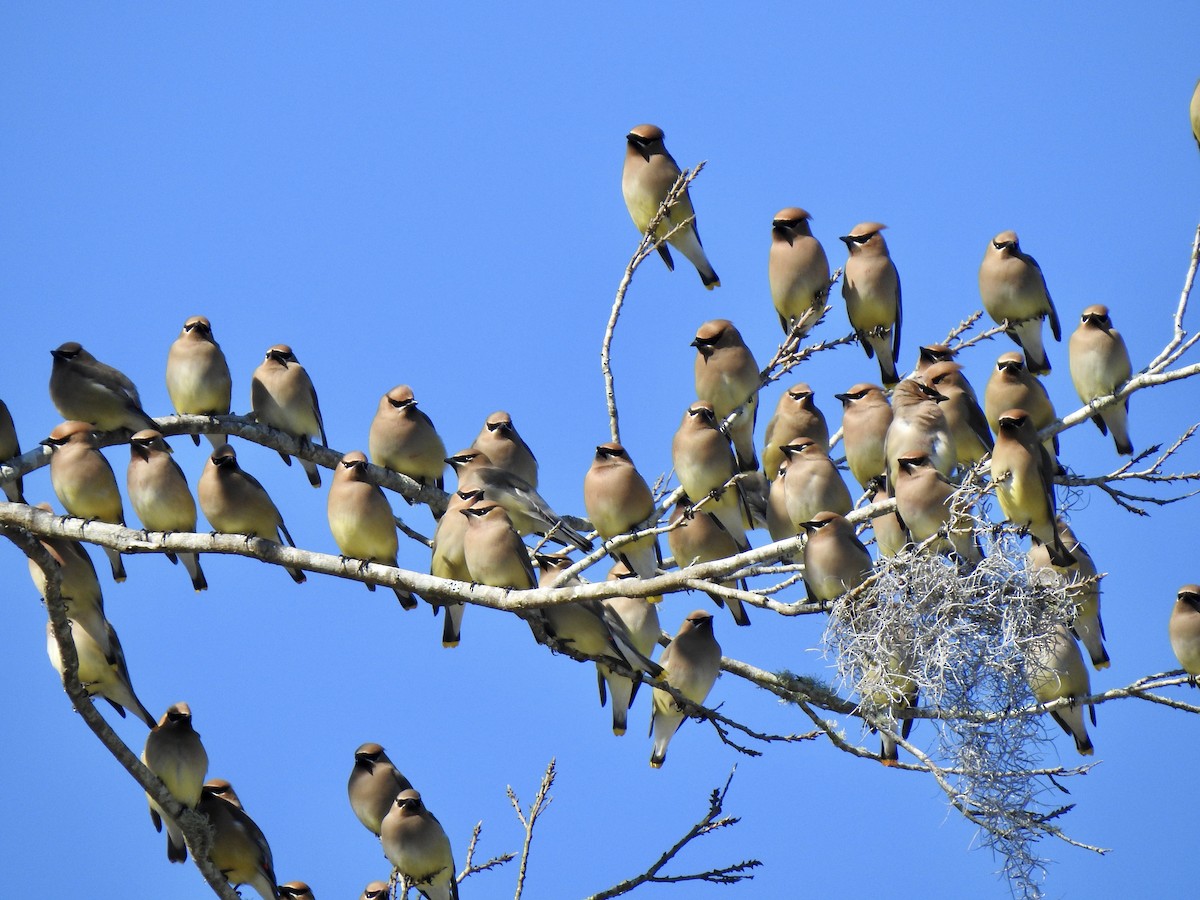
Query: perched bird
[[374, 783], [10, 449], [704, 462], [931, 354], [779, 523], [925, 505], [530, 514], [234, 502], [1012, 386], [83, 389], [1022, 473], [690, 664], [295, 890], [972, 437], [649, 174], [1015, 295], [919, 428], [835, 560], [1099, 364], [890, 690], [376, 890], [361, 520], [871, 289], [158, 491], [697, 538], [796, 416], [890, 536], [239, 848], [84, 481], [175, 754], [1195, 113], [812, 483], [79, 586], [219, 787], [1184, 628], [618, 500], [640, 616], [102, 669], [403, 439], [798, 271], [493, 551], [506, 448], [283, 397], [448, 560], [1055, 670], [198, 381], [416, 844], [866, 418], [1082, 588], [727, 377]]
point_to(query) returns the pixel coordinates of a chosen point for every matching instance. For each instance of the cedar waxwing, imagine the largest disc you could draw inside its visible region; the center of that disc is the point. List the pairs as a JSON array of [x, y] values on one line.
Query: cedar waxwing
[[493, 551], [10, 449], [697, 538], [895, 691], [198, 381], [648, 176], [934, 353], [239, 848], [691, 663], [448, 560], [234, 502], [79, 587], [403, 439], [871, 289], [797, 270], [295, 890], [1099, 364], [618, 500], [102, 668], [530, 514], [919, 428], [1082, 589], [219, 787], [1184, 628], [374, 783], [812, 483], [1194, 110], [640, 615], [1022, 473], [972, 437], [174, 753], [796, 416], [360, 518], [376, 890], [866, 418], [889, 535], [727, 377], [779, 523], [1012, 386], [158, 492], [283, 397], [704, 462], [925, 506], [1055, 669], [416, 844], [506, 448], [1015, 295], [835, 560], [84, 481], [83, 389]]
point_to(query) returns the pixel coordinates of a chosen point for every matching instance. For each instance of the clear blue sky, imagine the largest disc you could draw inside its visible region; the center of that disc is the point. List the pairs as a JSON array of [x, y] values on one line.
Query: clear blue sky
[[409, 195]]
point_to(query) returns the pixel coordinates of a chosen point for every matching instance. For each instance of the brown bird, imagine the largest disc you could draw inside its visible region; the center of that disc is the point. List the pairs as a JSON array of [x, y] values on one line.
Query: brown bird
[[926, 505], [1014, 294], [835, 560], [416, 844], [894, 691], [1100, 365], [697, 538], [239, 848], [798, 271], [198, 381], [919, 428], [1082, 589], [494, 552], [282, 396], [871, 289], [779, 523], [1012, 386], [1194, 111], [448, 560], [618, 500], [10, 449], [812, 483], [403, 439], [972, 437], [890, 536], [102, 669], [376, 890], [79, 586], [235, 502], [1055, 669], [931, 354], [691, 664], [649, 174], [175, 754], [506, 448], [640, 616], [1184, 628], [158, 491], [361, 520], [83, 389], [295, 890], [796, 416], [84, 481], [727, 377], [1022, 473], [219, 787], [374, 783], [704, 463], [866, 418]]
